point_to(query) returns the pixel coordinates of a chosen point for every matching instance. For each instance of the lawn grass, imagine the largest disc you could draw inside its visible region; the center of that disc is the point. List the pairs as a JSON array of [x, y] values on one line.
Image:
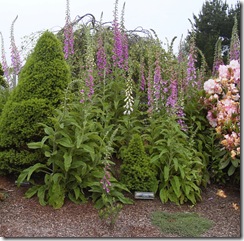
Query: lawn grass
[[184, 224]]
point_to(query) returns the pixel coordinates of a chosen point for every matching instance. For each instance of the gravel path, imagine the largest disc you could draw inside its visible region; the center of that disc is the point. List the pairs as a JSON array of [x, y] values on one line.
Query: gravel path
[[21, 217]]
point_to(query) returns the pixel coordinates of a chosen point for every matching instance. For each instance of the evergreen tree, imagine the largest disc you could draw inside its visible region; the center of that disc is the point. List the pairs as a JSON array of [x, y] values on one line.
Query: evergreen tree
[[215, 20], [40, 89]]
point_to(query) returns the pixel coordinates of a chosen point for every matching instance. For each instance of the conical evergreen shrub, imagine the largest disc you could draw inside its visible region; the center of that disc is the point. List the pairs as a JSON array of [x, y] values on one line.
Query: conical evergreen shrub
[[136, 171], [40, 89]]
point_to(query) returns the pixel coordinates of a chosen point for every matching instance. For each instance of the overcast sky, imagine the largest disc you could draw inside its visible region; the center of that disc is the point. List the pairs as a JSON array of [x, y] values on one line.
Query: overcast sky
[[168, 18]]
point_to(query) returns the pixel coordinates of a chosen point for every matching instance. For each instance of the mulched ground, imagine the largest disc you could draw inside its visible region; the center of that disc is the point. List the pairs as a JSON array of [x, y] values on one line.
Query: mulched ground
[[21, 217]]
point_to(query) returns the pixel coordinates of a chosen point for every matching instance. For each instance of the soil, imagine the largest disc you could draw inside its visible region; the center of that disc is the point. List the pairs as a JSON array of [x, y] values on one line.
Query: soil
[[21, 217]]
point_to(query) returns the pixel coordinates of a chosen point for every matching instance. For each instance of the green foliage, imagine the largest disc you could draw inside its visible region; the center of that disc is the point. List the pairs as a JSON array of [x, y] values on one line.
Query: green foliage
[[40, 89], [136, 171], [183, 224], [45, 74], [180, 165], [74, 146], [110, 213], [4, 90], [4, 94], [3, 82]]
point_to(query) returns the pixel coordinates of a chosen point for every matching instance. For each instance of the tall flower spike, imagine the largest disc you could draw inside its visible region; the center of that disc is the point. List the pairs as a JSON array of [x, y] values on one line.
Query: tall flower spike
[[235, 43], [157, 82], [89, 63], [4, 64], [129, 100], [191, 70], [15, 56], [173, 98], [143, 80], [124, 40], [218, 60], [68, 34], [118, 47], [101, 57]]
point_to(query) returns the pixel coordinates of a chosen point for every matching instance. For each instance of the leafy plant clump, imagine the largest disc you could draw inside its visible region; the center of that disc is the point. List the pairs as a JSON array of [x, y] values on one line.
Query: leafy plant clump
[[180, 166], [182, 224], [40, 89], [74, 147], [136, 171]]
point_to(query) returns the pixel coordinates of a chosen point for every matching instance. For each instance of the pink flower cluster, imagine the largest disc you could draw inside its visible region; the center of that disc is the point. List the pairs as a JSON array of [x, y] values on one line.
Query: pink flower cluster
[[223, 102]]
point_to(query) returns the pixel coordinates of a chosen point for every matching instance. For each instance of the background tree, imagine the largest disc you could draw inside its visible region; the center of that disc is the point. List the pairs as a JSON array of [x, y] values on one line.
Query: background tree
[[40, 89], [215, 20]]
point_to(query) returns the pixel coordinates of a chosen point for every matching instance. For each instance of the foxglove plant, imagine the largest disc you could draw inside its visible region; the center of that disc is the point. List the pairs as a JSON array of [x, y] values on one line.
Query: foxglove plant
[[150, 100], [234, 53], [108, 152], [15, 56], [173, 98], [143, 80], [117, 49], [125, 51], [218, 60], [157, 80], [181, 116], [68, 34], [191, 70], [4, 64], [101, 58], [89, 59], [105, 180], [129, 99], [124, 40]]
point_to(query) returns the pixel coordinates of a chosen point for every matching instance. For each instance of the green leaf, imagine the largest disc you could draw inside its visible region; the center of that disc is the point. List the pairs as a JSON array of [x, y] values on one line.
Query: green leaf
[[176, 164], [166, 173], [182, 172], [154, 159], [224, 164], [56, 195], [231, 170], [67, 160], [49, 131], [57, 177], [191, 197], [41, 195], [235, 162], [163, 151], [34, 168], [31, 191], [164, 195], [35, 145], [77, 192], [66, 142], [173, 198], [47, 153], [176, 185]]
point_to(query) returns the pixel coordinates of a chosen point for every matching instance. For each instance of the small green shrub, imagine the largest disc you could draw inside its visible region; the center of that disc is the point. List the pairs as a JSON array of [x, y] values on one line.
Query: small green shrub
[[136, 171]]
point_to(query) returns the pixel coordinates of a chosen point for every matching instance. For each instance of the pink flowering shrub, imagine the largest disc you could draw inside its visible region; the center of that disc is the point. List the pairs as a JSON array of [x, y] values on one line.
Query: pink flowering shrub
[[223, 103]]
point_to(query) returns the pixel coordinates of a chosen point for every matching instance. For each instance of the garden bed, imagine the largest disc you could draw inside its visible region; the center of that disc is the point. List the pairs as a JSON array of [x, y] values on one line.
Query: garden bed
[[21, 217]]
